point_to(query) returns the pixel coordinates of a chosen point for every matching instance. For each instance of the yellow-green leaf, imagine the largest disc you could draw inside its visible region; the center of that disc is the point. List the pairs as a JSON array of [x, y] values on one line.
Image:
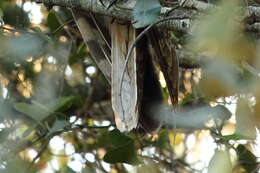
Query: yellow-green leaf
[[245, 123], [220, 162]]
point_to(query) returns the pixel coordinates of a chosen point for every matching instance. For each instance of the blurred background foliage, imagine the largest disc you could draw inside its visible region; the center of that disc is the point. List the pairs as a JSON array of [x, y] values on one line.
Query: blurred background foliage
[[55, 105]]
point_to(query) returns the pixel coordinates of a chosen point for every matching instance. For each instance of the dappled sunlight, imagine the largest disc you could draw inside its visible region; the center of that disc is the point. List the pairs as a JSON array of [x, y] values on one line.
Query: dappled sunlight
[[56, 107], [34, 10]]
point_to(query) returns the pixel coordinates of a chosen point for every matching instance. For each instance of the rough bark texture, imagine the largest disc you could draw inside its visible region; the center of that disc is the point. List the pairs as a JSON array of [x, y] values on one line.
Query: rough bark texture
[[123, 10]]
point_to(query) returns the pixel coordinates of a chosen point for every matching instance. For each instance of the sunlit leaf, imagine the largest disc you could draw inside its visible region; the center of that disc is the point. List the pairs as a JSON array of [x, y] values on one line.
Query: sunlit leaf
[[223, 81], [220, 162], [77, 75], [162, 141], [45, 157], [29, 130], [220, 34], [175, 139], [63, 162], [246, 158], [146, 12], [245, 123], [235, 137]]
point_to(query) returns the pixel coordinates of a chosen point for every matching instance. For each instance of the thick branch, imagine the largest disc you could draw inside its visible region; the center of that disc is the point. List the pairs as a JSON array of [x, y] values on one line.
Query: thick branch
[[123, 11], [187, 118]]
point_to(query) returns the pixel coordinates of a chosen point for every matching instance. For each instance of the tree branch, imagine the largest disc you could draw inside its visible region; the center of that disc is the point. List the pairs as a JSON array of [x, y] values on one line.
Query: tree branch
[[123, 10]]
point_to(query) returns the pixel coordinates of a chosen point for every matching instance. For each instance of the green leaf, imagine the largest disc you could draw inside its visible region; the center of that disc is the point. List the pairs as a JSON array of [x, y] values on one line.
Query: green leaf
[[41, 34], [58, 125], [29, 130], [69, 170], [118, 139], [39, 112], [61, 103], [52, 21], [220, 162], [246, 158], [208, 31], [79, 54], [103, 140], [146, 12], [124, 154], [232, 44], [162, 141], [10, 13], [235, 137], [36, 112], [245, 123], [1, 13], [187, 99], [123, 148]]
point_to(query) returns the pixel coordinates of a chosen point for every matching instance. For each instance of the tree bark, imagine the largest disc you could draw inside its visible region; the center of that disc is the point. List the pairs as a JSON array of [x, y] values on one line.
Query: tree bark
[[184, 15]]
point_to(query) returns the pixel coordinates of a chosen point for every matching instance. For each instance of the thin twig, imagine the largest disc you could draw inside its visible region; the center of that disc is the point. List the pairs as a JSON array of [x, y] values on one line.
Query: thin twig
[[44, 146], [16, 30], [62, 26], [99, 30], [103, 37], [99, 164], [60, 20]]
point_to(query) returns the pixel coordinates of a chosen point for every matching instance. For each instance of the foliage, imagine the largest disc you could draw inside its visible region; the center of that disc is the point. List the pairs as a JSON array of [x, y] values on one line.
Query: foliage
[[52, 92]]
